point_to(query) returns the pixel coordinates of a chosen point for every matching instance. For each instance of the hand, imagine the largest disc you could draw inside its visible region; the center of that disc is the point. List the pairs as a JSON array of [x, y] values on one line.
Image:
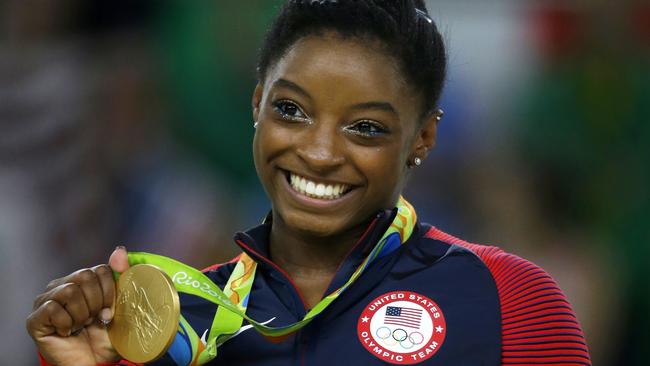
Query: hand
[[68, 321]]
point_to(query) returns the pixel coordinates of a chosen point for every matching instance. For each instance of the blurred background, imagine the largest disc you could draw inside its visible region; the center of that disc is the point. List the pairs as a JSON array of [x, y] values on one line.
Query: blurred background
[[129, 122]]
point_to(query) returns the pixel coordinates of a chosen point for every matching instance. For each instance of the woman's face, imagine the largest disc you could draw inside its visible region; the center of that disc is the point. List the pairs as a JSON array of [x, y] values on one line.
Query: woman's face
[[337, 126]]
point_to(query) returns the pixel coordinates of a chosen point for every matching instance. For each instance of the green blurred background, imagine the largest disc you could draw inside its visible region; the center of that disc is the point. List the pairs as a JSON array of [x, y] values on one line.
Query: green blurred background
[[129, 122]]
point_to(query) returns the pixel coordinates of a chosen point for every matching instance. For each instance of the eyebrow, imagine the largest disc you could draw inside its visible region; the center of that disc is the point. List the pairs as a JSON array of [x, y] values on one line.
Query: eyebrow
[[382, 106], [376, 105], [284, 83]]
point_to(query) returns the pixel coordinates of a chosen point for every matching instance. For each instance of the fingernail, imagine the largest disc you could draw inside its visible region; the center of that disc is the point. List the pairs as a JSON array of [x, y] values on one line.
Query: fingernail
[[106, 315], [120, 247]]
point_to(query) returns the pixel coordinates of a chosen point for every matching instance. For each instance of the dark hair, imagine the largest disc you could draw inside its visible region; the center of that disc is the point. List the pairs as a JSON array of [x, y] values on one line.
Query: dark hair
[[403, 26]]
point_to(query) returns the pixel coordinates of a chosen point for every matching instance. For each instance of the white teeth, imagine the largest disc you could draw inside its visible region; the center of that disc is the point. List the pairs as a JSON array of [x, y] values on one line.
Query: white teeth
[[302, 185], [320, 189], [311, 187], [317, 190]]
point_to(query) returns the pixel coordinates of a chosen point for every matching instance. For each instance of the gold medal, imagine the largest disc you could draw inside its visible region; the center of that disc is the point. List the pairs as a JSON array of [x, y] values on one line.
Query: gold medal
[[146, 317]]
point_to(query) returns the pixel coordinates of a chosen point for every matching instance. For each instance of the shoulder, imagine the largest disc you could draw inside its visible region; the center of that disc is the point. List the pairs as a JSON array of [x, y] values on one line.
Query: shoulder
[[537, 321]]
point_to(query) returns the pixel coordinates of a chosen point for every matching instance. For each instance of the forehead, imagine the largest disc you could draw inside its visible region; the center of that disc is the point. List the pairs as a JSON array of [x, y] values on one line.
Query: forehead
[[346, 69]]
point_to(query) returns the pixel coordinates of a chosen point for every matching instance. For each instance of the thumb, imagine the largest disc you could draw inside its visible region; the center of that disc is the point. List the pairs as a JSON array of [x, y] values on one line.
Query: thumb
[[119, 261]]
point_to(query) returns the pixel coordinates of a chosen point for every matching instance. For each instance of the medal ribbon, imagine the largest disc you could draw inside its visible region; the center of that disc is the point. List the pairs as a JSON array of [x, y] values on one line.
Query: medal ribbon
[[233, 300]]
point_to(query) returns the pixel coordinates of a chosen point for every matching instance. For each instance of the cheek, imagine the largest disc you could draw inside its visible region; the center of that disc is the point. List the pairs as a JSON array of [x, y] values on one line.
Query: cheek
[[383, 168], [257, 153], [262, 148], [269, 142]]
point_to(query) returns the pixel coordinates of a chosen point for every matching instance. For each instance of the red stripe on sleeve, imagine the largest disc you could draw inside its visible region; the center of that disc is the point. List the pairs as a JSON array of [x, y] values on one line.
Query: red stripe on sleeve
[[538, 325]]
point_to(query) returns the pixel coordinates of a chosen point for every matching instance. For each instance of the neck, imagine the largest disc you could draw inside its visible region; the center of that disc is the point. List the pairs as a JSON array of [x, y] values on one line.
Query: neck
[[311, 261], [309, 254]]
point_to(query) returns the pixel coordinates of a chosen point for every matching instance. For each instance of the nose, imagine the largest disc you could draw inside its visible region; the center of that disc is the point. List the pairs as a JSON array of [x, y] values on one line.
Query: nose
[[321, 148]]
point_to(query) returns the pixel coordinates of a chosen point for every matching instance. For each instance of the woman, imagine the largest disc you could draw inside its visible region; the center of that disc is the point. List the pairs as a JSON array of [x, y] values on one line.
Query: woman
[[344, 109]]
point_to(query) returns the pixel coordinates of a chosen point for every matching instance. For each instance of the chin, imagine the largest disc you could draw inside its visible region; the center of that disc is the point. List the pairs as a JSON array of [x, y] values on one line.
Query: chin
[[312, 225]]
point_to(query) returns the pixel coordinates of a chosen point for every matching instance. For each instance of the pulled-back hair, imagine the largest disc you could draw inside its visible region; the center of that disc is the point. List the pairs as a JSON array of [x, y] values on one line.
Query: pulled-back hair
[[403, 26]]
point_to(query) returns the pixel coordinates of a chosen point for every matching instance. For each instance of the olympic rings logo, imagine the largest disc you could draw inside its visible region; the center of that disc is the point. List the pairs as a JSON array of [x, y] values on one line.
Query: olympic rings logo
[[405, 339]]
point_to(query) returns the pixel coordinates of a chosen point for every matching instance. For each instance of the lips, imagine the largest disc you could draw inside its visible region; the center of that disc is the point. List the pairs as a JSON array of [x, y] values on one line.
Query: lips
[[316, 189]]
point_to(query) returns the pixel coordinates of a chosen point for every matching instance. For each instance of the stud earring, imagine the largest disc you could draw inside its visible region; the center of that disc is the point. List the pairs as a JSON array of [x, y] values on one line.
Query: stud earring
[[417, 161], [440, 113], [256, 124]]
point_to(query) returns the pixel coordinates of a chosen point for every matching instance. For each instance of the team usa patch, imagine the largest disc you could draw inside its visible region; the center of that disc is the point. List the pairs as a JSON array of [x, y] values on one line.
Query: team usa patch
[[402, 327]]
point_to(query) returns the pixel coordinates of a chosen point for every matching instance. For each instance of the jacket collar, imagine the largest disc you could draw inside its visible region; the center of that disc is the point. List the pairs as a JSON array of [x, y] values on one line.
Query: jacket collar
[[255, 243]]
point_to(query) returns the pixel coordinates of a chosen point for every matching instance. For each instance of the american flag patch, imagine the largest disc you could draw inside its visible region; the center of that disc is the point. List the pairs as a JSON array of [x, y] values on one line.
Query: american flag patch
[[407, 317]]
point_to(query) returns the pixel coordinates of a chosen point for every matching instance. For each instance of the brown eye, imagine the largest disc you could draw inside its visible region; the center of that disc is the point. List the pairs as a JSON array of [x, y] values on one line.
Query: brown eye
[[290, 111], [366, 129]]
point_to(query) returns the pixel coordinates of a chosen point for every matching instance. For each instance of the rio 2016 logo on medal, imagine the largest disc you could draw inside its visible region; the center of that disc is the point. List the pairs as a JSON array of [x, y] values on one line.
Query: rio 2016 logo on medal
[[402, 327]]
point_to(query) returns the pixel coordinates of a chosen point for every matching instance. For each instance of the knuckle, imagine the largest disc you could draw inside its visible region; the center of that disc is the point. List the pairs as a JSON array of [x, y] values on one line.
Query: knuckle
[[37, 301], [69, 290], [85, 275], [103, 270], [49, 307], [54, 283]]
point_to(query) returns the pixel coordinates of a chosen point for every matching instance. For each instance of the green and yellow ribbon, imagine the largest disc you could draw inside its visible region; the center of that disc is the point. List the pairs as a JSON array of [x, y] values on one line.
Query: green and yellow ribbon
[[191, 349]]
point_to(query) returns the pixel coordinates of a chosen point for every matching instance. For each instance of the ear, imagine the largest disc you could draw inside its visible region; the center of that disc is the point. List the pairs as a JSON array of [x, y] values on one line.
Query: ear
[[425, 140], [256, 101]]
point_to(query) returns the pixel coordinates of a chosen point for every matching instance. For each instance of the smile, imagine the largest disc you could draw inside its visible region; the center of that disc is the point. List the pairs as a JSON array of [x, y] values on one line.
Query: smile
[[319, 190]]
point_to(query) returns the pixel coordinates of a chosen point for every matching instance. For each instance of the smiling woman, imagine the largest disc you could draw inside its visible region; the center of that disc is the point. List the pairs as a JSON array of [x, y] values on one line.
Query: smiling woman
[[344, 108], [339, 117]]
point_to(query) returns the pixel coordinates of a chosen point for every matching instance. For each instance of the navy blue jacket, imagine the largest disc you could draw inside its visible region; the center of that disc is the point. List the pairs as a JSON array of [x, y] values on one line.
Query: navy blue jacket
[[460, 304]]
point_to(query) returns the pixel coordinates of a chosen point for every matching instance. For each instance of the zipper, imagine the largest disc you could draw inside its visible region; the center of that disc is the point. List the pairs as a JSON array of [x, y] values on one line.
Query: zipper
[[370, 228], [276, 267]]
